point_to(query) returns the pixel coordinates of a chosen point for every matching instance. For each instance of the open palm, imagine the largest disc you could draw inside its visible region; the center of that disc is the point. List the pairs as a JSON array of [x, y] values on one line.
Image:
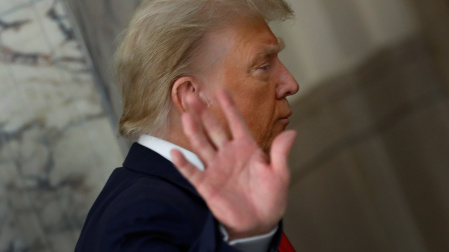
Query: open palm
[[245, 189]]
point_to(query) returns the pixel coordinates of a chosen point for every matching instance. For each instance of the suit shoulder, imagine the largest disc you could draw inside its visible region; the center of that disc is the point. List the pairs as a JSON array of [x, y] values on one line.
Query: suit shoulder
[[132, 205], [128, 197]]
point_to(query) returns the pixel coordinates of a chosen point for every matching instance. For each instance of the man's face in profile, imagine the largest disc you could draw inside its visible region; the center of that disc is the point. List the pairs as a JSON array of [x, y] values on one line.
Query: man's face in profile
[[243, 58]]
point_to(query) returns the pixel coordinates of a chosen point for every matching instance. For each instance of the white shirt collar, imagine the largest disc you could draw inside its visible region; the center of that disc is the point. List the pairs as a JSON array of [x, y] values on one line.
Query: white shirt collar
[[163, 148]]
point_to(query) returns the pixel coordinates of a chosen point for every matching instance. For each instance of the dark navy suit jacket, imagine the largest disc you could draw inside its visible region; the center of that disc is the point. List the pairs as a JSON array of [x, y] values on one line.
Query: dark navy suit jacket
[[147, 205]]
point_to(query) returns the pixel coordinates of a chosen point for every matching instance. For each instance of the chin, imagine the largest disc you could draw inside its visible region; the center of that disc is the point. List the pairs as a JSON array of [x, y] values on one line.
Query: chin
[[267, 140], [266, 145], [278, 130]]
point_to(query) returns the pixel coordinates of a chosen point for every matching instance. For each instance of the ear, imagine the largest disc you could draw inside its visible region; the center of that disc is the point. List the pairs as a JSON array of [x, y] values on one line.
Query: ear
[[181, 87]]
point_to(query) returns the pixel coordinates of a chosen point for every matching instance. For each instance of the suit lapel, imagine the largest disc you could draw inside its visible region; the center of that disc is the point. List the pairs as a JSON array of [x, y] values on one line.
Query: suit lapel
[[144, 160]]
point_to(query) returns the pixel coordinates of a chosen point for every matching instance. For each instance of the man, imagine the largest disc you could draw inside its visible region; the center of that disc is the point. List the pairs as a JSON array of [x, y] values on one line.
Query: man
[[203, 89]]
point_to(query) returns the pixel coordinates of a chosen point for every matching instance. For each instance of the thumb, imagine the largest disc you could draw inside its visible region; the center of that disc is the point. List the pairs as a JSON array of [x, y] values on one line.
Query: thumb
[[280, 149]]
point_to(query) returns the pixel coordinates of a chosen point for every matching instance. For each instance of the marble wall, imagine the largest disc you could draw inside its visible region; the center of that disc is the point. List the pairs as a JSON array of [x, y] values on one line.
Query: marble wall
[[99, 22], [57, 146]]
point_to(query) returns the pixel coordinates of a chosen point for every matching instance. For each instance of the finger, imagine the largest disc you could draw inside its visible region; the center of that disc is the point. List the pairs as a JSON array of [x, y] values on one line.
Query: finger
[[210, 123], [198, 139], [187, 169], [280, 150], [236, 123], [213, 128]]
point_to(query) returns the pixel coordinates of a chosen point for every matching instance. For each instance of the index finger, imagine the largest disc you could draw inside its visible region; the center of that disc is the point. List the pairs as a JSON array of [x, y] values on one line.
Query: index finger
[[236, 122]]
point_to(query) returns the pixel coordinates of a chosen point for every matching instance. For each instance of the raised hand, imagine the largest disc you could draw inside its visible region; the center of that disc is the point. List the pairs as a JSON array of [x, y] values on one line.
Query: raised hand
[[245, 189]]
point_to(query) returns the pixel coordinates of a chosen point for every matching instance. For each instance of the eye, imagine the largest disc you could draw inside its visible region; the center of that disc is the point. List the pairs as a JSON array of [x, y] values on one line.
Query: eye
[[264, 67]]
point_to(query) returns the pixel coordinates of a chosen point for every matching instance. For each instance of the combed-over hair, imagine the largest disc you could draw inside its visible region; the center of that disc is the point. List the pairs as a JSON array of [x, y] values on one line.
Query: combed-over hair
[[156, 47]]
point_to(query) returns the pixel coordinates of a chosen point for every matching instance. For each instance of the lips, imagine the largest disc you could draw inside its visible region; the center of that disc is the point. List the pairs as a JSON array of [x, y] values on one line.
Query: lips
[[287, 115]]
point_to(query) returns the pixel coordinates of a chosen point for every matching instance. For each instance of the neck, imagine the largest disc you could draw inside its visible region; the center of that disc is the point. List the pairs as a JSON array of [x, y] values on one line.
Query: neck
[[176, 136]]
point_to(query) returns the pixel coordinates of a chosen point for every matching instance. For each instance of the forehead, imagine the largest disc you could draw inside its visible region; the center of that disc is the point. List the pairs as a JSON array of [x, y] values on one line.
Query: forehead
[[249, 37], [242, 40]]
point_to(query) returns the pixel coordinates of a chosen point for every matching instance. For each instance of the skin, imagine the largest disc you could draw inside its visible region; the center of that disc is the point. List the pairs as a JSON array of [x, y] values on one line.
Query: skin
[[232, 112], [242, 58], [244, 188], [246, 64]]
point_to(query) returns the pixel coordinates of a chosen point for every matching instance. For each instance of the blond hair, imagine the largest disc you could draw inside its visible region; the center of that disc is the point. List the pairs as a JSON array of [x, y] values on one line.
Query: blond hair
[[157, 45]]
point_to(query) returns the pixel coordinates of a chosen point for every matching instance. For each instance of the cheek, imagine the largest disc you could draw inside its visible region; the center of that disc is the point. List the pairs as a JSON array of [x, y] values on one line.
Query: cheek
[[258, 110], [256, 100]]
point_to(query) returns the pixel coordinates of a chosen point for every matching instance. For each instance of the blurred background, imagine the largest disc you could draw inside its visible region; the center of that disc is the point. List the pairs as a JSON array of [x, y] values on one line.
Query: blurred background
[[370, 167]]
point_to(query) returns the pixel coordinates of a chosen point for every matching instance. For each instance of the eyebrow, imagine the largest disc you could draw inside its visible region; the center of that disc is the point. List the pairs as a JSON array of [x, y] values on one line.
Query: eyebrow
[[267, 52]]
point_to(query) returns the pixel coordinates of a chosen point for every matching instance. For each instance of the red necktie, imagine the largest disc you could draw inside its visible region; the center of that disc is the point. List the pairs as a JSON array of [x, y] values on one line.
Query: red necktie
[[285, 245]]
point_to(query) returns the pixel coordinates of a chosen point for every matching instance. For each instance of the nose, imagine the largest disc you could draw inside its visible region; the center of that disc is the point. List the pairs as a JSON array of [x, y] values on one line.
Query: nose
[[287, 84]]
